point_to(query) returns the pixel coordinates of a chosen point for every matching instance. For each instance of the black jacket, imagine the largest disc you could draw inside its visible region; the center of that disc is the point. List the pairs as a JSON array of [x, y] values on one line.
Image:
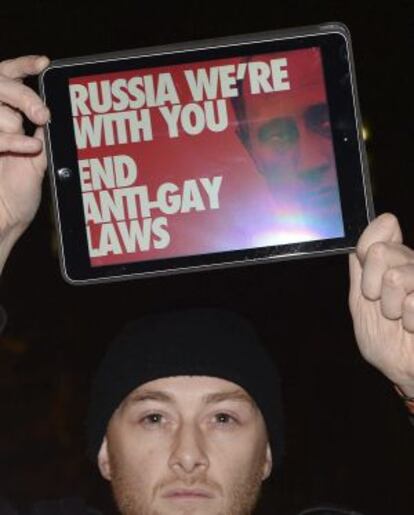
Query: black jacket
[[62, 507]]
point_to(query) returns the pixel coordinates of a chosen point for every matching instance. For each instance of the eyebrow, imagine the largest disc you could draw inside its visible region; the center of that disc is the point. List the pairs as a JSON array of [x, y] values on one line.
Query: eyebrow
[[318, 109], [211, 398], [234, 395]]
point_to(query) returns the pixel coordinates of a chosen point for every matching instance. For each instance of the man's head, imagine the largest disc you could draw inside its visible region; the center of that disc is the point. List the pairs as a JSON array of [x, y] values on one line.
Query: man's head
[[192, 443], [186, 416], [288, 136]]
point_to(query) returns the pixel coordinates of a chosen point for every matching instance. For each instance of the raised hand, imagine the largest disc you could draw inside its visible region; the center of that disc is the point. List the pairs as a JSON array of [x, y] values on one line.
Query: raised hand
[[382, 301], [22, 157]]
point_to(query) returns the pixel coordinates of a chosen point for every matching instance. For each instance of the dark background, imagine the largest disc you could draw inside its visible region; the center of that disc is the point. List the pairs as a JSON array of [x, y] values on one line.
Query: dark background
[[349, 439]]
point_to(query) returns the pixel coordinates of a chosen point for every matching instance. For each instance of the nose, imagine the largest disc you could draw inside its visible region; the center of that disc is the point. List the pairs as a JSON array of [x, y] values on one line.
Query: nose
[[314, 156], [188, 453]]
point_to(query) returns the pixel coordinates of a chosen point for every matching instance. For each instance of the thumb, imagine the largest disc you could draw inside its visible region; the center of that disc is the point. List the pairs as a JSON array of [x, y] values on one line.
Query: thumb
[[355, 278], [385, 228], [40, 160]]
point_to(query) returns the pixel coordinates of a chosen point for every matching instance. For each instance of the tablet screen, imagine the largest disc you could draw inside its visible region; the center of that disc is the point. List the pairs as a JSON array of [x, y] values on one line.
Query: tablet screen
[[206, 157]]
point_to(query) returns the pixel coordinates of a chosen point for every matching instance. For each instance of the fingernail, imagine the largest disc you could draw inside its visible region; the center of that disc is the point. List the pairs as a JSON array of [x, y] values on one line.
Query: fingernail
[[42, 62], [41, 113], [34, 145]]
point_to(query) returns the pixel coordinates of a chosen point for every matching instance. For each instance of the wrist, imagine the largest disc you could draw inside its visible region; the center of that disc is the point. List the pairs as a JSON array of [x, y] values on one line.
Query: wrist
[[8, 239], [405, 389], [407, 395]]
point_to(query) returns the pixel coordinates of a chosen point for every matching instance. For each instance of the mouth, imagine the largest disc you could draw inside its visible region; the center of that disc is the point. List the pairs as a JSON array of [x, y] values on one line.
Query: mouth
[[188, 494], [327, 190], [325, 195]]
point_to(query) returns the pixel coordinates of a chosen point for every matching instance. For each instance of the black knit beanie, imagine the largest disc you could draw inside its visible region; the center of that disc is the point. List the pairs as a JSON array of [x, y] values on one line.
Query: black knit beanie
[[204, 342]]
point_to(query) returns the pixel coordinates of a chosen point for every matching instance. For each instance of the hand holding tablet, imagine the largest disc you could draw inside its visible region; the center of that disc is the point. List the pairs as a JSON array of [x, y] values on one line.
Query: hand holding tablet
[[22, 157]]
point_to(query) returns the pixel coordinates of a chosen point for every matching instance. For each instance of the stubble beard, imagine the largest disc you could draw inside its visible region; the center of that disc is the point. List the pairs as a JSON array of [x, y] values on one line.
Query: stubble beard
[[242, 498]]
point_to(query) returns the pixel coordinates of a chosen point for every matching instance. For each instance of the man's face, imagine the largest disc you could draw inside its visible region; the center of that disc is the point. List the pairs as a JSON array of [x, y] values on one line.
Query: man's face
[[290, 142], [186, 445]]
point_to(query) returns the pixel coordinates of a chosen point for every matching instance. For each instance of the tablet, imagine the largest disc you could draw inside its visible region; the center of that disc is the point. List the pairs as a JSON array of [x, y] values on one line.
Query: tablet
[[206, 154]]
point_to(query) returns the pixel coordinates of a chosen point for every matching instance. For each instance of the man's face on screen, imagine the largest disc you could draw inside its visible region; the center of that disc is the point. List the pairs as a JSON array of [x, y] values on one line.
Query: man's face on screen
[[290, 143], [186, 445]]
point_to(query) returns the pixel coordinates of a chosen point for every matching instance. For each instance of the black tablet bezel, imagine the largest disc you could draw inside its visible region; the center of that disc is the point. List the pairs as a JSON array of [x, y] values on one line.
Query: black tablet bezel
[[334, 43]]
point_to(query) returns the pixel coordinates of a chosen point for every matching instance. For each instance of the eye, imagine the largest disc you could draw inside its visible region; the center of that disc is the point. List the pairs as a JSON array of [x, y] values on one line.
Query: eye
[[279, 132], [152, 419], [224, 419], [317, 119]]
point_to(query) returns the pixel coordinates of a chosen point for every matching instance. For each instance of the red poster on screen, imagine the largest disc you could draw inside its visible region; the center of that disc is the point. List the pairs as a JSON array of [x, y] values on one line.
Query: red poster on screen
[[206, 157]]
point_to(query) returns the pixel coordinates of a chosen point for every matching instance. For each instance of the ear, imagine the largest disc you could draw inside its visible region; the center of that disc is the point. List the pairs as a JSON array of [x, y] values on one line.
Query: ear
[[268, 464], [103, 460]]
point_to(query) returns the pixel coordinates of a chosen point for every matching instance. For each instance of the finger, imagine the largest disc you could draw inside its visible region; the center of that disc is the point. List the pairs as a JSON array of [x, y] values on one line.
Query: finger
[[384, 228], [408, 313], [24, 99], [23, 66], [355, 275], [11, 121], [39, 160], [19, 144], [397, 284], [380, 257]]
